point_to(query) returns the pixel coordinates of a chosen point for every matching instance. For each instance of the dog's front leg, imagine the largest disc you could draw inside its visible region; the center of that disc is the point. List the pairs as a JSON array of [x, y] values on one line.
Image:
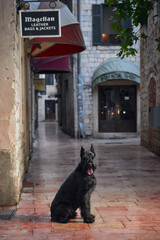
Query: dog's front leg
[[85, 209]]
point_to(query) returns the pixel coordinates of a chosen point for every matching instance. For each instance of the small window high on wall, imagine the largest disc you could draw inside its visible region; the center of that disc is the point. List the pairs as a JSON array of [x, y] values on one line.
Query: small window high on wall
[[101, 22]]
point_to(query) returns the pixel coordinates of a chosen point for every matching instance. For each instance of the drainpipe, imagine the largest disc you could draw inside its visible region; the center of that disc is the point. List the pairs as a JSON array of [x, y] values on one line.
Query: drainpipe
[[80, 83]]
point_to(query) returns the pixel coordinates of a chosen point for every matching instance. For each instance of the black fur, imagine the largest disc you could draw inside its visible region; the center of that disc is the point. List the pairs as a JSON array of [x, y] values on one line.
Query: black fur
[[76, 191]]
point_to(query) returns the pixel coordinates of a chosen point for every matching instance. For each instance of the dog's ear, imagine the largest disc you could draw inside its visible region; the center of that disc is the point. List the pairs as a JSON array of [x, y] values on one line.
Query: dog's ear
[[82, 152], [92, 150]]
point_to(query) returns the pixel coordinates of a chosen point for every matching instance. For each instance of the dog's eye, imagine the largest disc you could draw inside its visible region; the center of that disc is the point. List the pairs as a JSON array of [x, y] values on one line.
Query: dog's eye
[[85, 159]]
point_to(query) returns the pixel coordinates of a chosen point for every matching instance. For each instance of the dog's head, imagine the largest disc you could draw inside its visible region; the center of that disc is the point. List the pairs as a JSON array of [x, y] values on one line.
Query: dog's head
[[87, 160]]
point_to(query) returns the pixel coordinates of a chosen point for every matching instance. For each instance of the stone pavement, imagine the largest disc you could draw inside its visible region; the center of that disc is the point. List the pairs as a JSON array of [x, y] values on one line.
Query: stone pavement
[[126, 201]]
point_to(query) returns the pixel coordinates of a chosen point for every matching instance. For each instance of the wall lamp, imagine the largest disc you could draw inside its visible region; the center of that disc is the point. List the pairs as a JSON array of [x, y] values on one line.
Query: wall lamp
[[24, 5]]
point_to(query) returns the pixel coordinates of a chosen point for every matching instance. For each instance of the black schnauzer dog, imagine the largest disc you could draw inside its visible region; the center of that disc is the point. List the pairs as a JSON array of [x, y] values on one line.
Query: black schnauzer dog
[[76, 191]]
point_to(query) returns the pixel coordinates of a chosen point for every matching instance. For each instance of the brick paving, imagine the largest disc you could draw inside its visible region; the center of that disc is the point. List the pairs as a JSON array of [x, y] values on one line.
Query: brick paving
[[126, 201]]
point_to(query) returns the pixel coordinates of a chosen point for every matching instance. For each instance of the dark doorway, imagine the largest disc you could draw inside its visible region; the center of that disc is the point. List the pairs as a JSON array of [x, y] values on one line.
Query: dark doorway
[[50, 109], [117, 109]]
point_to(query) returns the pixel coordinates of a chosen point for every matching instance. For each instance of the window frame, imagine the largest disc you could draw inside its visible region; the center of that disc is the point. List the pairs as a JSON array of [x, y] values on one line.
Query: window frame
[[97, 18]]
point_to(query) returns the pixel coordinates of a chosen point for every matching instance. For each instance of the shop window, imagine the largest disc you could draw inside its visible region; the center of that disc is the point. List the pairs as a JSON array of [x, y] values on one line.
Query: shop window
[[102, 20], [49, 79]]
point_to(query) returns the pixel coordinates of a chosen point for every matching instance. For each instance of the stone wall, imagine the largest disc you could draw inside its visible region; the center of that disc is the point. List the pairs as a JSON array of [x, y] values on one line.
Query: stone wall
[[66, 117], [150, 71], [14, 126]]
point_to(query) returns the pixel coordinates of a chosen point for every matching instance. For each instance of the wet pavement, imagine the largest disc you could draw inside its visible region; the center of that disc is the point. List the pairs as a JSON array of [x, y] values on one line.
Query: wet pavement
[[126, 201]]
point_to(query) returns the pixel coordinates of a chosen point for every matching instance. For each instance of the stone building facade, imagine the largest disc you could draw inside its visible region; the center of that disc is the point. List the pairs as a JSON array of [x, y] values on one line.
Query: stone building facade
[[150, 83], [15, 105], [91, 59], [18, 103], [86, 105], [67, 104]]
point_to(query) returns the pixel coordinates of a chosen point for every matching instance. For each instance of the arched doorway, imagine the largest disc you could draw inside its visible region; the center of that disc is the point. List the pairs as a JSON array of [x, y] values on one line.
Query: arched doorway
[[116, 97]]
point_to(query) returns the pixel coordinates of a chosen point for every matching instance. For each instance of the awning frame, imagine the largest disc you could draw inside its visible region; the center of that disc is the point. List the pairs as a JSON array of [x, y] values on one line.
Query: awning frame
[[105, 72]]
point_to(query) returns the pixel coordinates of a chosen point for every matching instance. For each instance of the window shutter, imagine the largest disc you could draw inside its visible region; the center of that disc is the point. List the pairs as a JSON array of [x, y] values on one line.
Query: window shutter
[[126, 23], [96, 24]]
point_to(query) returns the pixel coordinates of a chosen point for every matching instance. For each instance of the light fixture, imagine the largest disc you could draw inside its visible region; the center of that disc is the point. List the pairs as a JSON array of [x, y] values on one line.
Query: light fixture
[[25, 5], [104, 37]]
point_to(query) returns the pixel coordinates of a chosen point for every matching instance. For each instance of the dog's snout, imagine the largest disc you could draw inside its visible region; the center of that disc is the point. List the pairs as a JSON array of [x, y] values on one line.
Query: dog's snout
[[90, 165]]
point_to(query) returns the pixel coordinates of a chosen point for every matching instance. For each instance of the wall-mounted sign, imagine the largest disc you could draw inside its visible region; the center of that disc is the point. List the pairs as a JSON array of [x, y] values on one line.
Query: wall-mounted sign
[[115, 76], [44, 23], [39, 84]]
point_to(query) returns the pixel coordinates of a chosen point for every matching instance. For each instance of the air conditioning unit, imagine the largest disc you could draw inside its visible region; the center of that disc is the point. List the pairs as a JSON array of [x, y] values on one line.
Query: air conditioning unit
[[154, 116]]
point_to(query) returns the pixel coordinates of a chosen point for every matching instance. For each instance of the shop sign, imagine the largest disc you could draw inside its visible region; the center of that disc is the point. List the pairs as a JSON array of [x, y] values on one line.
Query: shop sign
[[40, 23], [39, 84], [115, 76]]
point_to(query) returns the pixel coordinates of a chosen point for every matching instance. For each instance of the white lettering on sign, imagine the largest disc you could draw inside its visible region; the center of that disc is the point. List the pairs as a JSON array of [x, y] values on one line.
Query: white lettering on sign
[[39, 24], [42, 19], [39, 28], [47, 28], [29, 28]]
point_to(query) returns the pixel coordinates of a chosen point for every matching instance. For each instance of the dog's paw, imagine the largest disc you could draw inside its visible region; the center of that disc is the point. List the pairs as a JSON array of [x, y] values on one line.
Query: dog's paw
[[59, 219], [73, 215], [89, 219], [53, 219], [63, 220]]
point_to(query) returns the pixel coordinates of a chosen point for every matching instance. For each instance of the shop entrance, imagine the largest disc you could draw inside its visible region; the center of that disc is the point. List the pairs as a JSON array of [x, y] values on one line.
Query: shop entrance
[[117, 109], [50, 109]]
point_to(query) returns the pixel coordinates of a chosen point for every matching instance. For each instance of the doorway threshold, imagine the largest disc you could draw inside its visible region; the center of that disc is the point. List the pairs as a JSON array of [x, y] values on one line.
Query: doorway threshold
[[114, 143], [117, 136]]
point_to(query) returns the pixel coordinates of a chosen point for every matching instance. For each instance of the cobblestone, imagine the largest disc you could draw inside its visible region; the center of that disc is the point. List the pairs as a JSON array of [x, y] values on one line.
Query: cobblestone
[[126, 201]]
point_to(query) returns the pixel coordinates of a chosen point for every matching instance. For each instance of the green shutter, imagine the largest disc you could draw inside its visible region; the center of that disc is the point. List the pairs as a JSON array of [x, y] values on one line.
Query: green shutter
[[96, 23], [126, 24]]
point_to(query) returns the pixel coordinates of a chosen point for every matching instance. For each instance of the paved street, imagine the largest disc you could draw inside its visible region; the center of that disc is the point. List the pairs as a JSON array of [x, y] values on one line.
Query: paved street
[[126, 201]]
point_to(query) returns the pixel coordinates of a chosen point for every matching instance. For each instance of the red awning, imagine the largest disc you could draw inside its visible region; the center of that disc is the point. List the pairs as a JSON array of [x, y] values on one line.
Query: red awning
[[51, 65], [70, 42]]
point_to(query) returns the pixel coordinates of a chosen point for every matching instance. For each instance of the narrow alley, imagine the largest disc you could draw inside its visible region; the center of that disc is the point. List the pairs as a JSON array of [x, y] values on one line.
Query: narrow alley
[[126, 201]]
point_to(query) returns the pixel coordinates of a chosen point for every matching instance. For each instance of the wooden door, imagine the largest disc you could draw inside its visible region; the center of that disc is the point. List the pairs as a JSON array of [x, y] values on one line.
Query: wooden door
[[117, 109], [50, 109]]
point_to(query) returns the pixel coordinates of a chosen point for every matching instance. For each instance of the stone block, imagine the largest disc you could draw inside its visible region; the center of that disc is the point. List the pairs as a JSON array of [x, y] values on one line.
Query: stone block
[[9, 192]]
